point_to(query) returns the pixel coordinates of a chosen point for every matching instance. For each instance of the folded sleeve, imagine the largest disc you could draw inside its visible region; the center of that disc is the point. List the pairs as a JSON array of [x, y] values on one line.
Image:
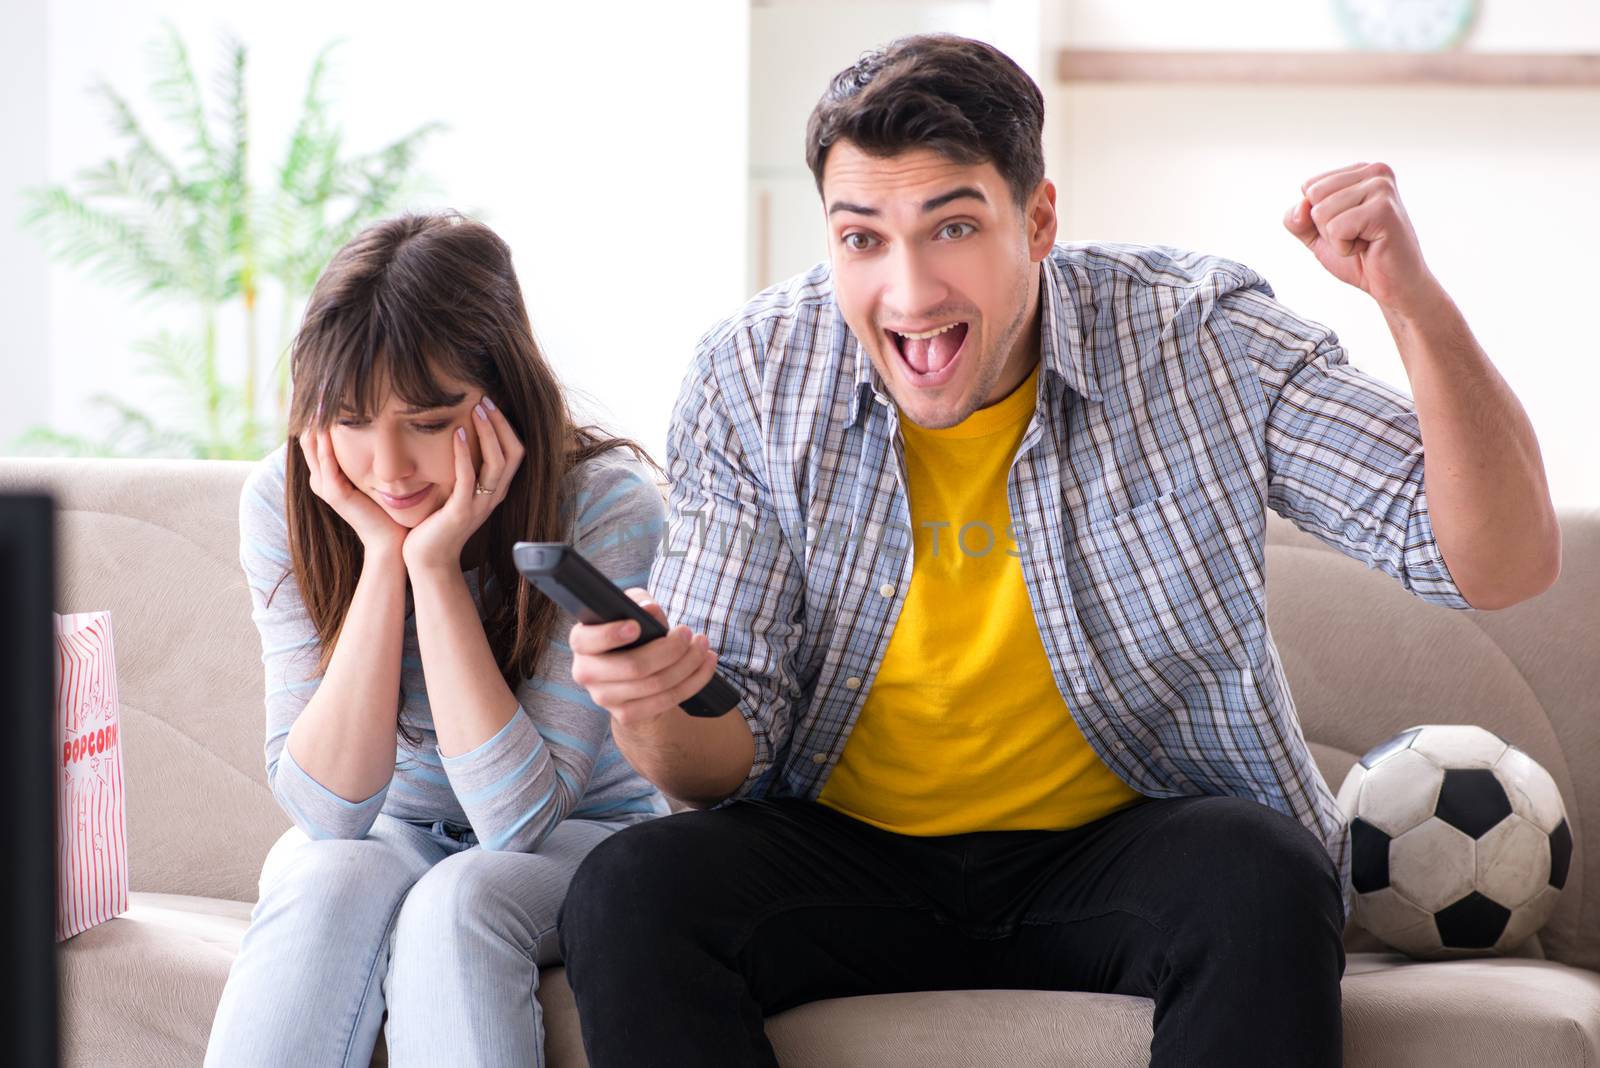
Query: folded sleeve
[[1344, 449], [724, 569], [289, 654], [516, 787]]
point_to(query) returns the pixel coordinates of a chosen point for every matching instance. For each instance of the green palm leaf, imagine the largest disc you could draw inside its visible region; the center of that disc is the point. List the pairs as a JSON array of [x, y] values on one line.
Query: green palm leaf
[[177, 90], [193, 228], [121, 249]]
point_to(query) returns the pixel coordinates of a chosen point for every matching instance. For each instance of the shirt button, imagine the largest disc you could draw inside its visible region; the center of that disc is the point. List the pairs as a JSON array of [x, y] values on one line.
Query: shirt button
[[1118, 746], [819, 758], [886, 589], [852, 683]]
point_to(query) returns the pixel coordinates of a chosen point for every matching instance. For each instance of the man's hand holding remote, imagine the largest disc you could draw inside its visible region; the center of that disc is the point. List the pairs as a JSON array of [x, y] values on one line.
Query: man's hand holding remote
[[700, 761]]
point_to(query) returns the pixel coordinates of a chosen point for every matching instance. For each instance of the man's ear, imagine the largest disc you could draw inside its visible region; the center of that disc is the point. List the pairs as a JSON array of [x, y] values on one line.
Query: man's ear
[[1040, 220]]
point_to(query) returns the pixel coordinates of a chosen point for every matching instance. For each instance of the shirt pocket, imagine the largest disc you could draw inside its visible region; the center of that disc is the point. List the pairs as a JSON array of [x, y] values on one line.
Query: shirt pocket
[[1179, 579]]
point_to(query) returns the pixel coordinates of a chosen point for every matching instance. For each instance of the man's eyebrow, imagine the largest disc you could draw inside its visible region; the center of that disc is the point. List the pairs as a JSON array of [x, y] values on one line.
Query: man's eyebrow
[[927, 205], [955, 194], [854, 209]]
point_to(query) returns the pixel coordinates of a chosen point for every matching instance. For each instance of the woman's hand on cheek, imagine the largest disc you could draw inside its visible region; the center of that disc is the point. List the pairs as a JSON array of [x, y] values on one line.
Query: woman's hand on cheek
[[437, 541], [376, 529]]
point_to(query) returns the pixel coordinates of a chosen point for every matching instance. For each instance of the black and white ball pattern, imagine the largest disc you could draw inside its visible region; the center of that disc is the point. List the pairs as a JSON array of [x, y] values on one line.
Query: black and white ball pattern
[[1459, 840]]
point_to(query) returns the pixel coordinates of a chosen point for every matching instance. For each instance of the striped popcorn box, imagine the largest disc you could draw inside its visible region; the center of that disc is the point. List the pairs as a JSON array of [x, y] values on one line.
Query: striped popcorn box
[[91, 828]]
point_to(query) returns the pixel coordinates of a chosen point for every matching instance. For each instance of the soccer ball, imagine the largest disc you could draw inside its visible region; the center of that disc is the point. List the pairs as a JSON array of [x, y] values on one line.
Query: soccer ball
[[1459, 842]]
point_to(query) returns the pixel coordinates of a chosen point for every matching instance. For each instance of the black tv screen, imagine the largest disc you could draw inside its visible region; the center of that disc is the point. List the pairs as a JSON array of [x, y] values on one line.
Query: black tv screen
[[27, 778]]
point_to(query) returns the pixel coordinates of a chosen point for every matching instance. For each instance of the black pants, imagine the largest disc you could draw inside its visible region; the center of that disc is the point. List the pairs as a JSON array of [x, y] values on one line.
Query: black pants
[[680, 935]]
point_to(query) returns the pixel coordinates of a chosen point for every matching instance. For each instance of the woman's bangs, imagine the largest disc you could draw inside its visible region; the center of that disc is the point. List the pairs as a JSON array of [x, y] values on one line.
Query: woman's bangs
[[352, 376], [360, 374], [415, 373]]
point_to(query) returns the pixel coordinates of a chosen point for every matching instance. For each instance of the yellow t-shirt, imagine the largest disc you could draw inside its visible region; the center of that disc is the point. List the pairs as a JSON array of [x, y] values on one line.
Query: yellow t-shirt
[[964, 729]]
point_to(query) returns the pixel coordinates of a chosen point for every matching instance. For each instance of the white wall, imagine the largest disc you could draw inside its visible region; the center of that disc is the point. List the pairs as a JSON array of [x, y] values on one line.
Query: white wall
[[796, 47], [1500, 184], [606, 143], [23, 291], [693, 111]]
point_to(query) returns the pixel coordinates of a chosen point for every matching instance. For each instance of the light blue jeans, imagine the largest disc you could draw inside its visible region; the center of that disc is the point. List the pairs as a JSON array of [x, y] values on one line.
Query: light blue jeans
[[444, 935]]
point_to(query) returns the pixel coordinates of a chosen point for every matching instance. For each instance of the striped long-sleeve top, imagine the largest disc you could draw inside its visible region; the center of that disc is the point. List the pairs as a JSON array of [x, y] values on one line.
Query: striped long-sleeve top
[[554, 759]]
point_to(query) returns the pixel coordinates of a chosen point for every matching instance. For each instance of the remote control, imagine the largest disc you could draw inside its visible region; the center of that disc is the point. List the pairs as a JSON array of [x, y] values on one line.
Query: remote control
[[563, 575]]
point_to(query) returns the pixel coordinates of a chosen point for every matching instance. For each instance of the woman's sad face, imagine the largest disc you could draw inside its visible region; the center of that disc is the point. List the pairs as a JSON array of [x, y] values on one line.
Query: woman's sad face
[[402, 456]]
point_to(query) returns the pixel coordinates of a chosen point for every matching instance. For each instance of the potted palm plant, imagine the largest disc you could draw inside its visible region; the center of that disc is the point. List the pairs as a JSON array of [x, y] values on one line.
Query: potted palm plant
[[196, 229]]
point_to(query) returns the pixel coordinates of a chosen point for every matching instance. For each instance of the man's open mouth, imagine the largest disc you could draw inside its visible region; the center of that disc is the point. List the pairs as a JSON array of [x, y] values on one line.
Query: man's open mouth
[[930, 356]]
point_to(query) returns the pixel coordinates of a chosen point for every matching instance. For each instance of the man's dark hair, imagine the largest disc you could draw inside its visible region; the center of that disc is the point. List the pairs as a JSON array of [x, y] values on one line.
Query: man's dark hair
[[964, 99]]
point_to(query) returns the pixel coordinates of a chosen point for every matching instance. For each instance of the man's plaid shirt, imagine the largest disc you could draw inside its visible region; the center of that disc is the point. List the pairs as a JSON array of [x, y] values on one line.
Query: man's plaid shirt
[[1177, 401]]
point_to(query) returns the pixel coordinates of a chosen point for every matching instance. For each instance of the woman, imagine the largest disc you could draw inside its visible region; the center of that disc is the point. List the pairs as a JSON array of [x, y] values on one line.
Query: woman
[[444, 775]]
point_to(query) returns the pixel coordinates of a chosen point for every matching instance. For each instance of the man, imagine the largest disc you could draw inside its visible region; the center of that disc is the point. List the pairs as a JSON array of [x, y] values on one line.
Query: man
[[974, 523]]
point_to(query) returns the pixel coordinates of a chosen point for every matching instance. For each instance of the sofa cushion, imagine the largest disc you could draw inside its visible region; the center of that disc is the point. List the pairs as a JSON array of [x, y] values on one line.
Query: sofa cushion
[[1483, 1011], [141, 990], [1509, 1011], [971, 1028]]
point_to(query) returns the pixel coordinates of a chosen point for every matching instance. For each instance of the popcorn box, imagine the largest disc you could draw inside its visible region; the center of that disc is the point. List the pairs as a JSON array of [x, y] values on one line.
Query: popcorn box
[[91, 828]]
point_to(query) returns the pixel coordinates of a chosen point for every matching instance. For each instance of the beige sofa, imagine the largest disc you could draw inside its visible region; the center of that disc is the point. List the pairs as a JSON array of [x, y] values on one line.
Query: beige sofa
[[156, 543]]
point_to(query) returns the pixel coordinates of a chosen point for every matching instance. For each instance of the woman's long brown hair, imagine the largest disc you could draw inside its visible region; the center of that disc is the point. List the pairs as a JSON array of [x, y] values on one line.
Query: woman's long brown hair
[[404, 300]]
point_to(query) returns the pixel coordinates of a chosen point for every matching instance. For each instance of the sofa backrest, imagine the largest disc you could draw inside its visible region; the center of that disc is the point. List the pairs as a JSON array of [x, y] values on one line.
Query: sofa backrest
[[1365, 660], [156, 542]]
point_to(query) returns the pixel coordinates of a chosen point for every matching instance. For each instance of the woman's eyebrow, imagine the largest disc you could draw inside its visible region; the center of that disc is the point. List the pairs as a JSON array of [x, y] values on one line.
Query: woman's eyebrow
[[416, 410]]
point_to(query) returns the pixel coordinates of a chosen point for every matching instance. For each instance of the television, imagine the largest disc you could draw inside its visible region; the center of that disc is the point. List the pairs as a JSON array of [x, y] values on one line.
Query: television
[[27, 778]]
